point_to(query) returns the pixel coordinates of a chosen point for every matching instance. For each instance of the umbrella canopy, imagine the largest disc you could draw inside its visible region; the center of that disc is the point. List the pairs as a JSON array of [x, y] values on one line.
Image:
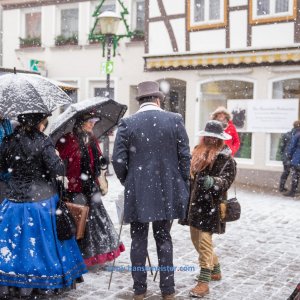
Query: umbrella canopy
[[108, 110], [25, 93]]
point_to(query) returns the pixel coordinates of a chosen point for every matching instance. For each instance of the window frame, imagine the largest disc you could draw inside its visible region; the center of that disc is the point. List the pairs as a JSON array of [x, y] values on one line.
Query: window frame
[[58, 17], [268, 160], [272, 17], [24, 12], [134, 14], [100, 82], [206, 24]]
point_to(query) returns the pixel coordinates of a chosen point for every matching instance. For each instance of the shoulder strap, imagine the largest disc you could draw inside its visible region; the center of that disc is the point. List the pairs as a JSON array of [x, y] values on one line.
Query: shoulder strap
[[222, 170]]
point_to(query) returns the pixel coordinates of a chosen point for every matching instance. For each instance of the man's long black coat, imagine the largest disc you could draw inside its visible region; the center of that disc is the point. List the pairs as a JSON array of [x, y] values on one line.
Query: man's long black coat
[[151, 158]]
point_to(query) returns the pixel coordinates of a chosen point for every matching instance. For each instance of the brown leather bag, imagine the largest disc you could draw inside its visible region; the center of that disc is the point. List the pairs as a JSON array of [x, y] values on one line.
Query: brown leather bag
[[80, 214]]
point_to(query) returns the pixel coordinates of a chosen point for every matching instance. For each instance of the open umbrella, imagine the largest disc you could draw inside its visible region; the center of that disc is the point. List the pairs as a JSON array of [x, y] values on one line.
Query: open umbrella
[[25, 93], [108, 110], [296, 293]]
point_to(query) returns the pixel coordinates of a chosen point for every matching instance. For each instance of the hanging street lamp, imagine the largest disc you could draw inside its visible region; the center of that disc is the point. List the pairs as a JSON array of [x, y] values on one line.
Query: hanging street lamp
[[105, 30]]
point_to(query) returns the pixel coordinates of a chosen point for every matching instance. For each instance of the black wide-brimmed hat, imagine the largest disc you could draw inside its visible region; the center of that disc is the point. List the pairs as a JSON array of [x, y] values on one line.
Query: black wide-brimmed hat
[[87, 116], [148, 89], [215, 129]]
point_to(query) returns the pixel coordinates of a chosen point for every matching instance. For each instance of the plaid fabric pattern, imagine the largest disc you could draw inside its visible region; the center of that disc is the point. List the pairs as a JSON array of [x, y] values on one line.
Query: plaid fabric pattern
[[5, 129]]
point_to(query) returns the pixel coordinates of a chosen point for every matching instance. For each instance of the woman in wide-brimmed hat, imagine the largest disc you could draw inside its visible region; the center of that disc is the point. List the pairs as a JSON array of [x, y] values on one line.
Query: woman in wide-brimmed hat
[[32, 259], [223, 115], [81, 151], [208, 188]]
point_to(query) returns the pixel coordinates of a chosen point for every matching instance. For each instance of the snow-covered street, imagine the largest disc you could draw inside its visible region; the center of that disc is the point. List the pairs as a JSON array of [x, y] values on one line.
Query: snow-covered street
[[259, 254]]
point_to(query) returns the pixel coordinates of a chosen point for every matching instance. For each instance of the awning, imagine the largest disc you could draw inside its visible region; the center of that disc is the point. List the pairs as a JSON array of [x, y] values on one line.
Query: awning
[[63, 85], [222, 59]]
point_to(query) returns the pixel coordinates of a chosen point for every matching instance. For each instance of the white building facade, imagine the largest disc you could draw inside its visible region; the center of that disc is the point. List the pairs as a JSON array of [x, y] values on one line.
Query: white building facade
[[212, 53]]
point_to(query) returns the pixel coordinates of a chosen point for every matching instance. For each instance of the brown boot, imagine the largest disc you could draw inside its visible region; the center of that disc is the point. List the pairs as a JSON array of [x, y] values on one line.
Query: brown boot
[[200, 290], [169, 297], [139, 297], [215, 277]]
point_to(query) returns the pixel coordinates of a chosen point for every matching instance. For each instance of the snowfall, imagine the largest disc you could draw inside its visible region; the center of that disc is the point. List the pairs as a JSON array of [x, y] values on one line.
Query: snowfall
[[259, 254]]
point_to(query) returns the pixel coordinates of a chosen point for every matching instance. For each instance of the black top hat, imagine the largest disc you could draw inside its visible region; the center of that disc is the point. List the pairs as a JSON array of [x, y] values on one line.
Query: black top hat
[[148, 89]]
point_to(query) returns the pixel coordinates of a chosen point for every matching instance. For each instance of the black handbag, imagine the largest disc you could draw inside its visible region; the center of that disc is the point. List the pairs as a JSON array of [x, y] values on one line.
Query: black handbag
[[65, 223], [233, 210], [232, 206]]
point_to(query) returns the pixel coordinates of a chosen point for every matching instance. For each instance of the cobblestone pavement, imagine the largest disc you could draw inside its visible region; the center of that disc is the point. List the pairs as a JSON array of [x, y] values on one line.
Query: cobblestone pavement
[[259, 254]]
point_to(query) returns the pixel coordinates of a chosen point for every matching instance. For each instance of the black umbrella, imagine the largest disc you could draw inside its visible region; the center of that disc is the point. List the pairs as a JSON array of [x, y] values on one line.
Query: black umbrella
[[296, 293], [27, 93], [108, 110]]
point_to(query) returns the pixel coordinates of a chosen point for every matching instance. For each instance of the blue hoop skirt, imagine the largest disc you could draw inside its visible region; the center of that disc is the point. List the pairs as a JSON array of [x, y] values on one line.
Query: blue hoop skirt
[[31, 256]]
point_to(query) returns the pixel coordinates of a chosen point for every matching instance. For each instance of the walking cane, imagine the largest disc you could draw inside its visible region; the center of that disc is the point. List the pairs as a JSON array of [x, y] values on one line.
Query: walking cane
[[113, 266], [156, 272], [148, 258]]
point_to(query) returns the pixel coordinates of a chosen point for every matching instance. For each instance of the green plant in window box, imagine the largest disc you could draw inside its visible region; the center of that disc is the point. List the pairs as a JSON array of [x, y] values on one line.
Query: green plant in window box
[[30, 42], [138, 35], [62, 40], [95, 41]]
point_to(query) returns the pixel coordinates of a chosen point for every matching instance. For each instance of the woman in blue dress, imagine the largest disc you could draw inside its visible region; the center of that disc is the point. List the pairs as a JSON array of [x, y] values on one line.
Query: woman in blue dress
[[32, 259]]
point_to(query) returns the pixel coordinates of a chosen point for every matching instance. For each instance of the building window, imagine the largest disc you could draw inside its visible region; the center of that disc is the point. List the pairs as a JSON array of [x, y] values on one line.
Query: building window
[[283, 89], [175, 96], [69, 22], [140, 16], [31, 35], [264, 11], [108, 5], [33, 25], [102, 92], [275, 143], [207, 13], [138, 19], [216, 93], [67, 27]]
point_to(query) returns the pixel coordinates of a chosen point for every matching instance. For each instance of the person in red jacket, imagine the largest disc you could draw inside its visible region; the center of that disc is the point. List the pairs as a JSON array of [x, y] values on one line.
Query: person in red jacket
[[222, 114], [82, 155]]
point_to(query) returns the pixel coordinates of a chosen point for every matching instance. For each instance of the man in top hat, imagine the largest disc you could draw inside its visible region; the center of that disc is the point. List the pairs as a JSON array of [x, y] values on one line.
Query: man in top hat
[[151, 158]]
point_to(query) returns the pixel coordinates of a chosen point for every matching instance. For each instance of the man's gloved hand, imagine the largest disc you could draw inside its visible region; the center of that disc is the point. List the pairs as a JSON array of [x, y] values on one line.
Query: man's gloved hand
[[66, 182], [206, 181]]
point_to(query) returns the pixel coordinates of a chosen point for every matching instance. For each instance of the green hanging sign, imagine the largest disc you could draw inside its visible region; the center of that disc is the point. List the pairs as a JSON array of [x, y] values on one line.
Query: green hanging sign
[[107, 67]]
